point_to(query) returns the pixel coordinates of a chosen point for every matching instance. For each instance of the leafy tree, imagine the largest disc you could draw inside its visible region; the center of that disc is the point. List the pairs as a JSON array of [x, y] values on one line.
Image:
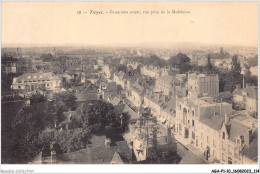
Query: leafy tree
[[181, 61], [73, 140], [37, 98], [26, 127], [209, 67], [97, 116], [65, 100], [234, 77], [47, 57]]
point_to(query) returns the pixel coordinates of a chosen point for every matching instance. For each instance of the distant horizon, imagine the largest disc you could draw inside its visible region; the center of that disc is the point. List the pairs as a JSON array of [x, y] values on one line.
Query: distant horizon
[[132, 44]]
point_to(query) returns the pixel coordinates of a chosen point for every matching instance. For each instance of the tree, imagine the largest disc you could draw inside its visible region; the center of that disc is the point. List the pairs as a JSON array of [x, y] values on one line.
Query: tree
[[37, 98], [47, 57], [73, 140], [27, 124], [209, 68], [234, 77], [97, 116], [181, 61], [65, 100]]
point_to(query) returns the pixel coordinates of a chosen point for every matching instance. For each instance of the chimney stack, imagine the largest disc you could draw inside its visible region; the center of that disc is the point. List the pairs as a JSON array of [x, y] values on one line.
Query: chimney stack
[[107, 142], [226, 118]]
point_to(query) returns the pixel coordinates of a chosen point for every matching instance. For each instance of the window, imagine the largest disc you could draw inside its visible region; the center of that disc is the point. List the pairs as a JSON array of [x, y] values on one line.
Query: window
[[236, 152], [19, 87], [193, 135], [229, 149], [223, 146], [192, 113], [223, 135], [193, 123], [223, 157], [229, 160]]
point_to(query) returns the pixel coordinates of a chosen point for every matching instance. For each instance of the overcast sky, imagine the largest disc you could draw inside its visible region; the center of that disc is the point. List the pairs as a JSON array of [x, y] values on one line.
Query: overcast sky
[[234, 23]]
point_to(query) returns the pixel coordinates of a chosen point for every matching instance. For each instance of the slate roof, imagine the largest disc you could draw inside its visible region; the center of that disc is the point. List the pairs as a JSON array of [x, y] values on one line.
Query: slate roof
[[252, 92], [236, 130], [111, 86], [191, 158], [251, 151], [124, 108], [100, 154], [213, 121], [168, 79], [81, 97], [115, 101], [35, 76]]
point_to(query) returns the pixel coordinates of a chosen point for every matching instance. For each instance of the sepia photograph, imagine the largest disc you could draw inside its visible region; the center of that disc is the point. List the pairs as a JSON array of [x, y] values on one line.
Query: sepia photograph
[[121, 82]]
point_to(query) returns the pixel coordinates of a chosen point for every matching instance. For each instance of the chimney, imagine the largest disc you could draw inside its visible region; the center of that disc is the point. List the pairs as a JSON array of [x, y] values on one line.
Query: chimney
[[169, 137], [226, 118], [107, 142]]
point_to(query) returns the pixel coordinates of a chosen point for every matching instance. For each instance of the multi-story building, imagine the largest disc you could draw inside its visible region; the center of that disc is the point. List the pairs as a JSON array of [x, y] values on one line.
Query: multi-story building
[[120, 79], [238, 140], [247, 98], [165, 84], [107, 71], [202, 85], [29, 82], [135, 93], [200, 121], [154, 71]]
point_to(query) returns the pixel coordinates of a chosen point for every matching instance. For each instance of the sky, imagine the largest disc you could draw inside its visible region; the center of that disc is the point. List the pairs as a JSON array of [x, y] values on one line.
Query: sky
[[233, 23]]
